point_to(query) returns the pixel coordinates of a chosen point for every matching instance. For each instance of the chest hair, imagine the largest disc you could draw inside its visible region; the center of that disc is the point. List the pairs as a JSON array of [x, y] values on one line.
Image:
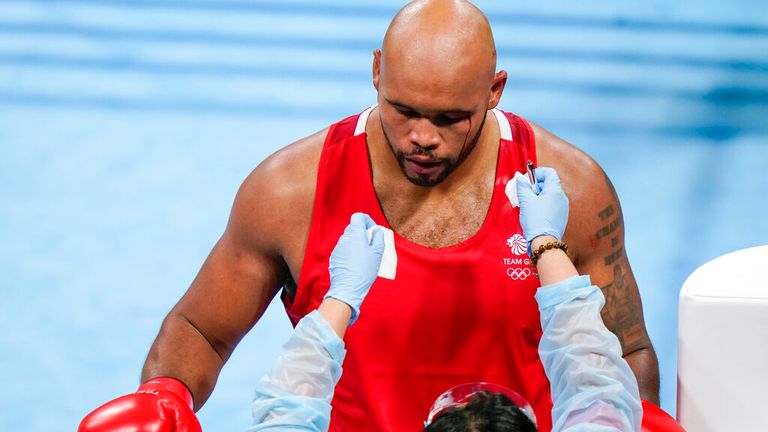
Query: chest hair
[[439, 222]]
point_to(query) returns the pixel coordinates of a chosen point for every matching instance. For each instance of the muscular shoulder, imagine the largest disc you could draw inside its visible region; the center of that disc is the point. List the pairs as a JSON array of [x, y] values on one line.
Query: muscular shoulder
[[275, 200], [595, 214]]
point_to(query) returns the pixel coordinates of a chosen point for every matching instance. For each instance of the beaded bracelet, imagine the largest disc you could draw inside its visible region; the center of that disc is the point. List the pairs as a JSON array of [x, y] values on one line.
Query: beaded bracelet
[[536, 254]]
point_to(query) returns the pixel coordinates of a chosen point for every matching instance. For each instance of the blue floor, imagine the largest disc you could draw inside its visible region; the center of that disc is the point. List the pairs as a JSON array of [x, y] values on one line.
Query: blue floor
[[126, 127]]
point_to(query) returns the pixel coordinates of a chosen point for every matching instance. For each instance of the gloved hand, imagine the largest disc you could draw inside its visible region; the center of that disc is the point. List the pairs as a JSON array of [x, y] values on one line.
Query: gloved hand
[[545, 213], [159, 405], [355, 262]]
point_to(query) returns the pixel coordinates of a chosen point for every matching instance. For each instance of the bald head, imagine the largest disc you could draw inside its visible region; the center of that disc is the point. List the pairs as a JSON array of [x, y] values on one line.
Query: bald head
[[449, 40]]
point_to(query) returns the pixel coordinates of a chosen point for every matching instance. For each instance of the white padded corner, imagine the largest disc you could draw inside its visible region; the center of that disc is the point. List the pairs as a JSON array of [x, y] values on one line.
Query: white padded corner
[[723, 344]]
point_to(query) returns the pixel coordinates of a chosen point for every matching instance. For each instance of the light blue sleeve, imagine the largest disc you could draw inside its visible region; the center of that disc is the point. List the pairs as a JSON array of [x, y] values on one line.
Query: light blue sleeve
[[593, 388], [296, 394]]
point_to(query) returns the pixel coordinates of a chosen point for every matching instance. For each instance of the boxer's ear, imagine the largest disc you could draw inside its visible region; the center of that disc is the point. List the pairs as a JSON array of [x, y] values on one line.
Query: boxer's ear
[[376, 68], [497, 88]]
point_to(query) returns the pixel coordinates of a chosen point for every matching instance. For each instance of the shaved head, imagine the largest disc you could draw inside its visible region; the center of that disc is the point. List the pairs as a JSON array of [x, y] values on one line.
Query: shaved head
[[436, 79], [446, 39]]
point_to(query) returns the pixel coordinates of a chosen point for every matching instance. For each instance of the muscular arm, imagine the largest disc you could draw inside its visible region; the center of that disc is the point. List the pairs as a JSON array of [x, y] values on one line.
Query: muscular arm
[[602, 255], [595, 235], [254, 257]]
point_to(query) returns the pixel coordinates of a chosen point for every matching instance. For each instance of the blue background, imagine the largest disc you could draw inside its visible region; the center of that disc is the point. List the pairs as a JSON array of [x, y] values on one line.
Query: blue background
[[127, 126]]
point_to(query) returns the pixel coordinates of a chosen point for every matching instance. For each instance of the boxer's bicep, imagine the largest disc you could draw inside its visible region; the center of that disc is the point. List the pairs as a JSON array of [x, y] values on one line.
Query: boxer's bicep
[[244, 270], [242, 273], [249, 264]]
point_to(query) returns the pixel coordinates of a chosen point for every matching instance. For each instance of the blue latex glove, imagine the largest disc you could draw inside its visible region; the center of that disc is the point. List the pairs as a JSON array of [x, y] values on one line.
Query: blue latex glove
[[355, 262], [545, 213]]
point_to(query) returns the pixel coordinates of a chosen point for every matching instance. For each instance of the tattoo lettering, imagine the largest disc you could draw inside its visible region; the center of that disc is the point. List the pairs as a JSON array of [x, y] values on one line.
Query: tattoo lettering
[[606, 212], [608, 229], [612, 258], [613, 211], [622, 312]]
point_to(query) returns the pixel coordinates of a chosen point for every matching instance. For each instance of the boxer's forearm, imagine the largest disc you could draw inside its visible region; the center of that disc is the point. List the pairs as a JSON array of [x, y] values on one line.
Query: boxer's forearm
[[644, 364], [180, 351]]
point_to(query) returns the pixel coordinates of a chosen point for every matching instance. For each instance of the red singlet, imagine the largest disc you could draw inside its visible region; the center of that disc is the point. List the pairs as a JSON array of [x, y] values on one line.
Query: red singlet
[[453, 315]]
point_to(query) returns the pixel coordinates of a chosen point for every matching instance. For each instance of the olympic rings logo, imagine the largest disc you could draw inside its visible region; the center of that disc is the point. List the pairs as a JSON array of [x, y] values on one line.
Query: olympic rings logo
[[518, 273]]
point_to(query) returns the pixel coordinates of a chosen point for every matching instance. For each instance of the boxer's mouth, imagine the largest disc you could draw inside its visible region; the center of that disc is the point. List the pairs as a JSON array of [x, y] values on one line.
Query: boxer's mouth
[[422, 165]]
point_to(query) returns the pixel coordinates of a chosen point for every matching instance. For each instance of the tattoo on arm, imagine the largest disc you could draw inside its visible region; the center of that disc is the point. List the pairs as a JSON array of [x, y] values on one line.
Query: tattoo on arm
[[615, 256], [606, 212], [622, 313], [611, 227], [608, 230]]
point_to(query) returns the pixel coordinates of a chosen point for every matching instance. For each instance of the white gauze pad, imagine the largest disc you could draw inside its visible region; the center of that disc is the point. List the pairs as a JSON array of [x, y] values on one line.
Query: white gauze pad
[[388, 266], [510, 190]]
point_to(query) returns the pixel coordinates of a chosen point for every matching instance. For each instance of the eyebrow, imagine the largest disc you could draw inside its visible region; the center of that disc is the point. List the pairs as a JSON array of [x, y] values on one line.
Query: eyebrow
[[399, 104]]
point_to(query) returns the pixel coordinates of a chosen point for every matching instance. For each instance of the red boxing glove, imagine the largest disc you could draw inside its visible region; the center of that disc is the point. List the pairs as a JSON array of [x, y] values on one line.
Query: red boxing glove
[[657, 420], [159, 405]]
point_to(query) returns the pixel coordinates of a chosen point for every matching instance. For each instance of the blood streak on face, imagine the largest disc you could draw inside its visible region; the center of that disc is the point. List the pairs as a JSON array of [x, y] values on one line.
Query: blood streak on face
[[422, 165]]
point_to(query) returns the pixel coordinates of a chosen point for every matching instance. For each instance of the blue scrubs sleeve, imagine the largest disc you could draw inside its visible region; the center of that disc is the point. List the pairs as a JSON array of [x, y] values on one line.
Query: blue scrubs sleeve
[[296, 394], [593, 388]]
